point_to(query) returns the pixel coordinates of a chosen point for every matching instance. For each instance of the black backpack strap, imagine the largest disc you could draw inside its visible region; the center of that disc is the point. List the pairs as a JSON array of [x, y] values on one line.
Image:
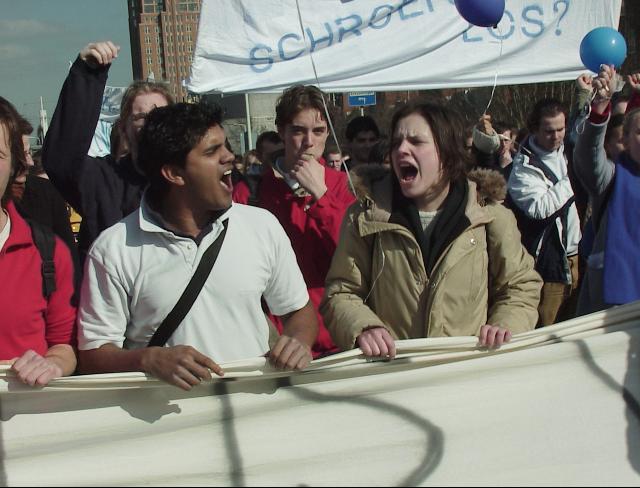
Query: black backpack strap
[[45, 241], [535, 162], [563, 212], [533, 230], [191, 292]]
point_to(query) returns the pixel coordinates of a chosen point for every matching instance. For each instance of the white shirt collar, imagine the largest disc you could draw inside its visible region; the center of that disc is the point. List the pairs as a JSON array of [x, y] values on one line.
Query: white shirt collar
[[4, 233], [152, 221], [292, 182]]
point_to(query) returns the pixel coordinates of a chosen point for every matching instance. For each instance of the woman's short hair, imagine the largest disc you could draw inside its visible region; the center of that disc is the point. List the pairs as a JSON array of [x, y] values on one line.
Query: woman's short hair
[[448, 131]]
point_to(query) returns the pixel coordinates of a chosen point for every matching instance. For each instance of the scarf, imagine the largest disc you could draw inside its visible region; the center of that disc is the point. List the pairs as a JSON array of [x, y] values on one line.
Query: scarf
[[621, 280], [448, 225]]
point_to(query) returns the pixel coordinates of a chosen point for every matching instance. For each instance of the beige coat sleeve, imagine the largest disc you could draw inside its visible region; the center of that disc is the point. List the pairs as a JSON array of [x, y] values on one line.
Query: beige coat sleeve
[[343, 309], [514, 285]]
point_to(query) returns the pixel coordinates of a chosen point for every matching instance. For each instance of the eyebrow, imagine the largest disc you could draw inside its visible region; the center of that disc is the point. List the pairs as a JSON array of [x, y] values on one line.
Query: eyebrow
[[302, 127], [213, 148]]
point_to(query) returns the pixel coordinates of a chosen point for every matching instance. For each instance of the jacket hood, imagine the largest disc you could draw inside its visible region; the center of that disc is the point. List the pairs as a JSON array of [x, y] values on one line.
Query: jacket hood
[[365, 176], [491, 186]]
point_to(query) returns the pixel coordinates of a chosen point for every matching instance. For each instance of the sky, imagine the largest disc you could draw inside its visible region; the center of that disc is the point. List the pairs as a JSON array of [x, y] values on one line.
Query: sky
[[38, 39]]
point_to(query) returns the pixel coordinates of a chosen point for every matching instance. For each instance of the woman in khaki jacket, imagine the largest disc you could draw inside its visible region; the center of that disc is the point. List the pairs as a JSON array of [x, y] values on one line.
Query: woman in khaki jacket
[[422, 253]]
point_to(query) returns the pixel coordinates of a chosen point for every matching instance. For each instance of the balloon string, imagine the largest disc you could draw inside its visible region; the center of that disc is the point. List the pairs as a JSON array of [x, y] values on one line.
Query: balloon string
[[324, 102], [582, 124], [495, 79]]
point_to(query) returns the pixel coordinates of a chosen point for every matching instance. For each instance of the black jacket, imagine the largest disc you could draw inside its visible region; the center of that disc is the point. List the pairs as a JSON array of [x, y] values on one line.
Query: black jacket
[[102, 190]]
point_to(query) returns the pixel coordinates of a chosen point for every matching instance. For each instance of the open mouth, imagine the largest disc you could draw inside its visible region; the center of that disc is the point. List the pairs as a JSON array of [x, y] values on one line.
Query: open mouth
[[407, 173], [226, 181]]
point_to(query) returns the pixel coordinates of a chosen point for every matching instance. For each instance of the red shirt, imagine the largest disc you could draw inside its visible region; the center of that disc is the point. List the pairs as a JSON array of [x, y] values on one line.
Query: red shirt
[[27, 319], [313, 232]]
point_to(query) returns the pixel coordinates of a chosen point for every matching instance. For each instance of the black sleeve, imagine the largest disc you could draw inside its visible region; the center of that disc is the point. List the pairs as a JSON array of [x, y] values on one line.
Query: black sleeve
[[64, 152]]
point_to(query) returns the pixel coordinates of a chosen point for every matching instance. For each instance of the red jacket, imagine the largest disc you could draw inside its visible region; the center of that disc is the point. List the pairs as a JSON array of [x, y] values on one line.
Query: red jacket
[[28, 320], [313, 232]]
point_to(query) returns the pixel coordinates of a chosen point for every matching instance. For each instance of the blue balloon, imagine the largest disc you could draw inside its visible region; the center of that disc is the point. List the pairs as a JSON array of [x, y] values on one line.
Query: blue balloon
[[483, 13], [602, 45]]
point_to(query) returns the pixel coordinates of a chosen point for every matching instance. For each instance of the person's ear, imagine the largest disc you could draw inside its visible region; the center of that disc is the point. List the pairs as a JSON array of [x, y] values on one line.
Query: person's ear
[[173, 174]]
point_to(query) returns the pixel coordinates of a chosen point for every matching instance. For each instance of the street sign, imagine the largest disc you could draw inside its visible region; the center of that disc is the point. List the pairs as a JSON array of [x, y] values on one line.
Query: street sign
[[362, 99]]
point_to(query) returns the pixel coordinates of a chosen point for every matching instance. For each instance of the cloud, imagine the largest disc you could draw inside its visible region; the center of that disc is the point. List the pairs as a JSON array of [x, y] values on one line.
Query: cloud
[[26, 28]]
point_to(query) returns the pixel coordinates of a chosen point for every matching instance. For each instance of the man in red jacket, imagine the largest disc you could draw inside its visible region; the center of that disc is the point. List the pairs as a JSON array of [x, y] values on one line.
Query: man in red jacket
[[36, 332], [308, 198]]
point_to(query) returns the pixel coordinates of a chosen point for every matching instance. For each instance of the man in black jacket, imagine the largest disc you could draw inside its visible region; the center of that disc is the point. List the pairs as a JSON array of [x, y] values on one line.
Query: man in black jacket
[[102, 190]]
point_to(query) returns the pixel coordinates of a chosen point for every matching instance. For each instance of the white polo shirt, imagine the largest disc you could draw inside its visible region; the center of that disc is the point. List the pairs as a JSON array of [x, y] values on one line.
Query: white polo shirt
[[136, 271]]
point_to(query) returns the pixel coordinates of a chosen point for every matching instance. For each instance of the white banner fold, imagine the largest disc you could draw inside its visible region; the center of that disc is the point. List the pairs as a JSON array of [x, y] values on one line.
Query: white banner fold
[[387, 45]]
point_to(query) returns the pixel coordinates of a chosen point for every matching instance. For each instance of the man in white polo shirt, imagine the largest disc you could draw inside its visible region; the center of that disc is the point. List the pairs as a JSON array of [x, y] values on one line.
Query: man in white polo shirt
[[136, 270]]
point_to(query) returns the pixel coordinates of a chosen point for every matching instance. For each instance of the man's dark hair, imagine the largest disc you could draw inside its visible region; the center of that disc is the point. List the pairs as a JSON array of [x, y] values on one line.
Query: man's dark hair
[[380, 152], [447, 128], [267, 136], [362, 123], [547, 107], [169, 134], [298, 98], [501, 127]]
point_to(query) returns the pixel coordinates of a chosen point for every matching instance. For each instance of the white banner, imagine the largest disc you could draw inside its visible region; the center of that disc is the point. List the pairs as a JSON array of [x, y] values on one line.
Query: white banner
[[386, 45], [557, 406], [111, 100], [109, 113]]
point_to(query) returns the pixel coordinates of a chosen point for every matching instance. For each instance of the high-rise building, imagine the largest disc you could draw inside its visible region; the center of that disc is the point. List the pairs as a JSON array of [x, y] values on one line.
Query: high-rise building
[[163, 37]]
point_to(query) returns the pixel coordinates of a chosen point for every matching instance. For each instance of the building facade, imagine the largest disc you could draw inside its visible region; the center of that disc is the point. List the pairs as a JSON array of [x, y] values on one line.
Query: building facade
[[163, 37]]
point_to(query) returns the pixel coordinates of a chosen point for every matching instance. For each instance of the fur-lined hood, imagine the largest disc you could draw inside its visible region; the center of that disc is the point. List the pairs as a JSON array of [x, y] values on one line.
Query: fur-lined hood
[[491, 186]]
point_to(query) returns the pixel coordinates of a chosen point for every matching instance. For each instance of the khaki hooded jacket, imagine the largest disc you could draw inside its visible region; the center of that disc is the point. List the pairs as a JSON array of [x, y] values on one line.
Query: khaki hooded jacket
[[378, 277]]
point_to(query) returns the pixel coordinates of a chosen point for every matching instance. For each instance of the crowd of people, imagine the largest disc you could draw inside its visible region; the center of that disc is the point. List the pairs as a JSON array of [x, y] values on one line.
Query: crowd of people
[[189, 256]]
